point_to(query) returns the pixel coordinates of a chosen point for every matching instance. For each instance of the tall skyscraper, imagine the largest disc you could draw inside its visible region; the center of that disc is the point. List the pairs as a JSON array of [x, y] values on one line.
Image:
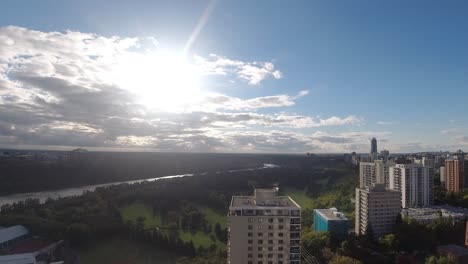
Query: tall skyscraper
[[373, 146], [264, 228], [377, 209], [455, 174], [415, 182]]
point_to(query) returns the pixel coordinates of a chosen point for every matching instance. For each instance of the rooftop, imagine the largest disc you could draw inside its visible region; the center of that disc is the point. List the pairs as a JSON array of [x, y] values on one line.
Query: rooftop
[[18, 259], [263, 198], [10, 233], [332, 214]]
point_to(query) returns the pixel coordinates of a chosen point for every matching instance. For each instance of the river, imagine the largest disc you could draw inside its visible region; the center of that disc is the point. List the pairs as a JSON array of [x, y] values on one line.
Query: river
[[75, 191]]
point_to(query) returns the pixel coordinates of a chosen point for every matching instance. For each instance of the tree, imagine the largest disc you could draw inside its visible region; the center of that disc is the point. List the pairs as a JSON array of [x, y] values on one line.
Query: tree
[[344, 260], [314, 242], [390, 242], [440, 260]]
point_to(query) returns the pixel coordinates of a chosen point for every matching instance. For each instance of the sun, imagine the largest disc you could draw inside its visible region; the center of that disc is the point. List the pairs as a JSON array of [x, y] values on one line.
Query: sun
[[162, 80]]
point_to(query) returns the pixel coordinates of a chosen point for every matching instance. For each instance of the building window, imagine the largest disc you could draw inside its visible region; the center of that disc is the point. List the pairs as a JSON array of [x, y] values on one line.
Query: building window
[[260, 255], [260, 241], [270, 220], [270, 249], [280, 234], [249, 234], [250, 227], [259, 227], [249, 248], [270, 241], [270, 234], [250, 219], [249, 241], [249, 255], [260, 220], [260, 234], [270, 227], [280, 249], [281, 227], [281, 220], [259, 249], [280, 241]]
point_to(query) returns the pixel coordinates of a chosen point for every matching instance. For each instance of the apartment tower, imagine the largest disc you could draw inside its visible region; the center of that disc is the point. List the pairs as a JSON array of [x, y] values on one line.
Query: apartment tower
[[264, 228], [415, 182], [455, 174], [377, 209]]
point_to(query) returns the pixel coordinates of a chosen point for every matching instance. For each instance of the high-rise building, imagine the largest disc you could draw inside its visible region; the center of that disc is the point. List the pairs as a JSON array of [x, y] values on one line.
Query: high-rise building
[[428, 162], [367, 174], [415, 182], [373, 146], [442, 175], [382, 169], [331, 221], [374, 172], [455, 174], [264, 228], [377, 209]]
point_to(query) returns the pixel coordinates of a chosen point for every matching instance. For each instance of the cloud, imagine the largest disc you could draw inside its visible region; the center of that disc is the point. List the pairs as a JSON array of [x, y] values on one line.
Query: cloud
[[385, 123], [253, 72], [221, 101], [56, 89]]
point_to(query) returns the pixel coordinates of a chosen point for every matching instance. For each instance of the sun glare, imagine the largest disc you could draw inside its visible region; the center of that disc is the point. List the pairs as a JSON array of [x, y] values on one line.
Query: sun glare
[[161, 80]]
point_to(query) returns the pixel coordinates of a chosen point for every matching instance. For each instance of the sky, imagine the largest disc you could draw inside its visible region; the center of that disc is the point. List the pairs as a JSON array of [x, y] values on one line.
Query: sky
[[234, 76]]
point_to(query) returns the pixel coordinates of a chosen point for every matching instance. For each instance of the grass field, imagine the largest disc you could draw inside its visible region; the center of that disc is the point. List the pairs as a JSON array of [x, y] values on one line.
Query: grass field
[[132, 211], [214, 217], [301, 198], [124, 251]]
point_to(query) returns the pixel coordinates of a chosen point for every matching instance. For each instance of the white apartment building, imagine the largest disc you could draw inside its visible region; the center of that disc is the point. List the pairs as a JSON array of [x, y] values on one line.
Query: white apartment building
[[377, 209], [367, 174], [374, 172], [415, 182], [264, 228]]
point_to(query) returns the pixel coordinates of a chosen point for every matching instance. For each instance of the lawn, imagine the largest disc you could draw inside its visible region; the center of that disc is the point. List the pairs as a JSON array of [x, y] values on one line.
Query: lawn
[[300, 197], [124, 251], [131, 212], [214, 217]]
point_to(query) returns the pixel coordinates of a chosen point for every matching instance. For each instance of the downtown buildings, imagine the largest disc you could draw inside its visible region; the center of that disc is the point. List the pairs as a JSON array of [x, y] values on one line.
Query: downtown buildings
[[264, 228]]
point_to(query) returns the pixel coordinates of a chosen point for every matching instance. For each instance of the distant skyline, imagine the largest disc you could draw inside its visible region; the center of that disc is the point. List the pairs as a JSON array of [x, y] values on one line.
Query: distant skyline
[[234, 76]]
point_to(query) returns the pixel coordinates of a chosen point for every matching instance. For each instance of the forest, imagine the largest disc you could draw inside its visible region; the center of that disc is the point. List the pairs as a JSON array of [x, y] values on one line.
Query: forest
[[183, 220]]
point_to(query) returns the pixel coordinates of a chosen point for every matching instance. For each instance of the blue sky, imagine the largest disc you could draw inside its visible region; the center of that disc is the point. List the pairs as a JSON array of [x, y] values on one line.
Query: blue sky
[[397, 70]]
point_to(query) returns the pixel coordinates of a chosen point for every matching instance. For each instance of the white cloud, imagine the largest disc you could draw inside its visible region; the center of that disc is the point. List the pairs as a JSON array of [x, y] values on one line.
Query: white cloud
[[221, 101], [253, 72], [385, 123], [57, 89]]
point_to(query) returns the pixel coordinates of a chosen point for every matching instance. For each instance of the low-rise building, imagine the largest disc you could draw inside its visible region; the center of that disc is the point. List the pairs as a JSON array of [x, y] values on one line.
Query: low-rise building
[[428, 215], [332, 221], [11, 235]]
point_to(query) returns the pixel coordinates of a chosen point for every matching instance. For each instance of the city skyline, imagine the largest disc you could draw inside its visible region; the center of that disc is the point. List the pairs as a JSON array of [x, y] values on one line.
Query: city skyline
[[218, 76]]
